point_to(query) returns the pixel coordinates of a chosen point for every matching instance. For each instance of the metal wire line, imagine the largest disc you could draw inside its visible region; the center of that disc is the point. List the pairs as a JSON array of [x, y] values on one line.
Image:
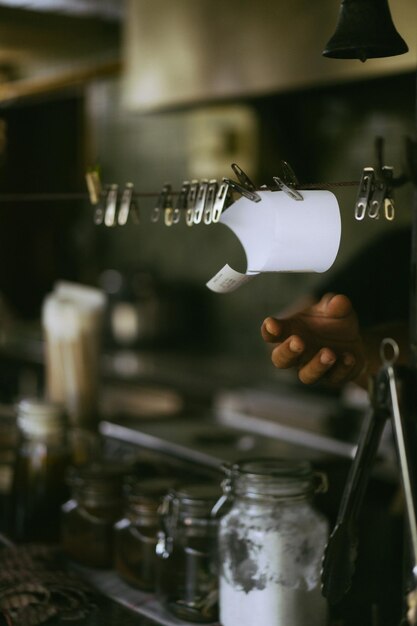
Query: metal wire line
[[73, 196]]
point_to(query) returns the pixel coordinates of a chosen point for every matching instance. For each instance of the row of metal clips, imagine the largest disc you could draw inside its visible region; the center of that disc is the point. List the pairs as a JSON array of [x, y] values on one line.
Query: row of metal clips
[[107, 209], [375, 193], [112, 213], [199, 201]]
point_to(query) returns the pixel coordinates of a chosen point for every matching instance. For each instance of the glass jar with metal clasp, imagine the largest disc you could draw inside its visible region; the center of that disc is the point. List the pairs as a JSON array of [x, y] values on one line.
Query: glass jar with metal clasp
[[136, 534], [271, 544], [89, 516], [187, 578], [41, 460]]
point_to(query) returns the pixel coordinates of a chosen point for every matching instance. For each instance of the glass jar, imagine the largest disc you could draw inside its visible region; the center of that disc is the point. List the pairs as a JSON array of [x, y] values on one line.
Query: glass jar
[[89, 516], [187, 579], [271, 543], [42, 457], [135, 536]]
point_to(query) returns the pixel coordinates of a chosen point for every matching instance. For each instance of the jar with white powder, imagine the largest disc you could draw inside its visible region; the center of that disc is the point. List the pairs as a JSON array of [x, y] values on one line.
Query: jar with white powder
[[271, 543]]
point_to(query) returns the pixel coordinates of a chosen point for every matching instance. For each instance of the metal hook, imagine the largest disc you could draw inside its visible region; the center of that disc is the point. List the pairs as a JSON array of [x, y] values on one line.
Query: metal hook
[[386, 345]]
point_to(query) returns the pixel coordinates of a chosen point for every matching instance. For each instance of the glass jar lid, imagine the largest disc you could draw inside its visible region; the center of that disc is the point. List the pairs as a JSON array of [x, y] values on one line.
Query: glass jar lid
[[195, 500], [37, 417], [147, 489], [97, 480], [283, 478], [146, 495]]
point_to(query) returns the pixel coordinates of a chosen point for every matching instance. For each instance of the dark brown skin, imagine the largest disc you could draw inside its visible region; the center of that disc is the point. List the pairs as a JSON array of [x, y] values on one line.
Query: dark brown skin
[[324, 343]]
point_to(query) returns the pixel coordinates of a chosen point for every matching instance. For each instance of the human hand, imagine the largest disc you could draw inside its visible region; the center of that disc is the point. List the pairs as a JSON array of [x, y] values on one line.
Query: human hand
[[322, 341]]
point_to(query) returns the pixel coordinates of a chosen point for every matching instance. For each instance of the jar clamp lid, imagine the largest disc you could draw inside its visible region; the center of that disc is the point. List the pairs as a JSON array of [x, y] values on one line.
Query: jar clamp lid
[[38, 417], [271, 477]]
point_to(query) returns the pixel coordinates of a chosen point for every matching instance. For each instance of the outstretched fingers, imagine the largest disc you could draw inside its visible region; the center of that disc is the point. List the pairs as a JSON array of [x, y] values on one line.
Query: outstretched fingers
[[326, 365], [317, 367], [288, 353], [273, 330]]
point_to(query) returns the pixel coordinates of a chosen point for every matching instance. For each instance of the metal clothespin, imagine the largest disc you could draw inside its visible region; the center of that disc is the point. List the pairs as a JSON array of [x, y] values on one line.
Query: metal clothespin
[[245, 186], [222, 200], [95, 193], [168, 206], [243, 178], [377, 198], [366, 186], [94, 186], [389, 209], [99, 213], [134, 211], [200, 201], [382, 196], [210, 199], [288, 182], [111, 206], [125, 205], [251, 195], [160, 204], [181, 203], [191, 200]]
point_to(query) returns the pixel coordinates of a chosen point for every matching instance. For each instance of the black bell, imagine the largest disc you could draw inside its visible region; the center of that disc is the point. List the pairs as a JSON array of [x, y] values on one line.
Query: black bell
[[365, 30]]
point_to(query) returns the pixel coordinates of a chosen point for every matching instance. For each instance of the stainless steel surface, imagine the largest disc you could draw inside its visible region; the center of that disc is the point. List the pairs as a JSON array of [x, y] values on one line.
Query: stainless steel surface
[[282, 432], [203, 441]]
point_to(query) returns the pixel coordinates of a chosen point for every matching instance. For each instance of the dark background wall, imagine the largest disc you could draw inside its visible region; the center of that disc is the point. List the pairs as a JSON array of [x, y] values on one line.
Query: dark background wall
[[327, 134]]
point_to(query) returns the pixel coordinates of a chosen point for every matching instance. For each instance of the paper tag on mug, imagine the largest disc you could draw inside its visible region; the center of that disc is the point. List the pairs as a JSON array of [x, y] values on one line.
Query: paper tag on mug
[[280, 234]]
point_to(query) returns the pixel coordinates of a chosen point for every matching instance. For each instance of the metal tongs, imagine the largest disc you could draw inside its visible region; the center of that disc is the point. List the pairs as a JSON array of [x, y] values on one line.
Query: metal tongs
[[339, 558]]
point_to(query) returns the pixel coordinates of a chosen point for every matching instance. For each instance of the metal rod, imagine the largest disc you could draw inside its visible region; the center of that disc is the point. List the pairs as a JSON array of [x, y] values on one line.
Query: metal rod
[[413, 286], [405, 460]]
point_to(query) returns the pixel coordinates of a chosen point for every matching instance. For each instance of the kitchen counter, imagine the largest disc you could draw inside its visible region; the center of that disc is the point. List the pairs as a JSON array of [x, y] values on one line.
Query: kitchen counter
[[38, 585], [140, 605], [108, 613]]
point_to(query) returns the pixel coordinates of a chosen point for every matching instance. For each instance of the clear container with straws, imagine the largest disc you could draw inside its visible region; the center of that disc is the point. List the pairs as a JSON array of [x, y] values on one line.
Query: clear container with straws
[[72, 321]]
